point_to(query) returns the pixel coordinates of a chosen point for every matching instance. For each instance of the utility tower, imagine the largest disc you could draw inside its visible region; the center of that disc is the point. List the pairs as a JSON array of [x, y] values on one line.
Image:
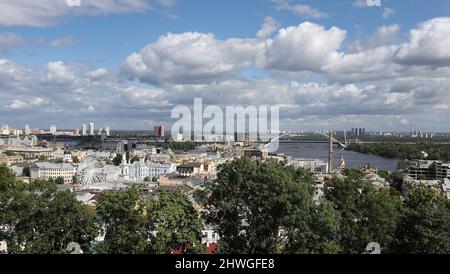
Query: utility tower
[[330, 152]]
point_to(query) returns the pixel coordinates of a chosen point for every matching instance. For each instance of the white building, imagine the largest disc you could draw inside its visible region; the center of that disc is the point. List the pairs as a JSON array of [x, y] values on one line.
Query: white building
[[376, 180], [32, 153], [48, 170], [83, 130], [28, 141], [4, 130], [91, 129], [210, 235], [190, 169], [52, 129], [112, 173], [67, 157], [3, 247], [314, 166], [27, 129], [140, 170], [58, 154]]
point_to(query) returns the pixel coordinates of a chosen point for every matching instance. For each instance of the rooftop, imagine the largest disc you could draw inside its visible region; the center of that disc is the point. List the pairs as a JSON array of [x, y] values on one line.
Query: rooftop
[[50, 165]]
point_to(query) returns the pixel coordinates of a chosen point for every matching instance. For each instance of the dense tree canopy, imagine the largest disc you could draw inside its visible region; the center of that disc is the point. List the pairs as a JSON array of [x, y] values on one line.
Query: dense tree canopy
[[134, 224], [123, 218], [256, 207], [367, 214], [117, 160], [401, 151], [424, 227], [174, 221], [35, 218], [261, 208], [181, 145]]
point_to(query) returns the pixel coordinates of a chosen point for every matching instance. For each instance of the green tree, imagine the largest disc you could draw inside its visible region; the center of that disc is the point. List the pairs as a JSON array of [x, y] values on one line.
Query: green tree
[[396, 181], [435, 151], [424, 227], [200, 196], [174, 220], [181, 145], [26, 171], [319, 235], [252, 202], [384, 173], [41, 220], [59, 181], [42, 158], [117, 160], [134, 159], [367, 214], [39, 185], [7, 179], [122, 214]]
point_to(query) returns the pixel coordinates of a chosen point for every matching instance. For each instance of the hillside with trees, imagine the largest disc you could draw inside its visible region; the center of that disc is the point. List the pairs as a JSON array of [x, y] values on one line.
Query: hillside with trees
[[256, 207], [399, 151]]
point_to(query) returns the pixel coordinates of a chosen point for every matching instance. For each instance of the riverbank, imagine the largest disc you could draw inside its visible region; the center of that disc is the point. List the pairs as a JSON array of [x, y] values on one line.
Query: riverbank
[[398, 151]]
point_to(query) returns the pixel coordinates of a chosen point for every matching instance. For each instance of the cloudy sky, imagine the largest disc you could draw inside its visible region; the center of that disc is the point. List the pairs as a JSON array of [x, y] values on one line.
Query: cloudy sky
[[126, 63]]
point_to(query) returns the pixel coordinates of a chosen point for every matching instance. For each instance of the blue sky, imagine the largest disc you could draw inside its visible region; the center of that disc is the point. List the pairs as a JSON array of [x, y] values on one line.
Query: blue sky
[[58, 48], [108, 39]]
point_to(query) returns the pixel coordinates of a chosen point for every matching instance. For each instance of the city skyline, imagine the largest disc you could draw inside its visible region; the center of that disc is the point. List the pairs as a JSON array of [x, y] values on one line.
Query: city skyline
[[28, 128], [128, 63]]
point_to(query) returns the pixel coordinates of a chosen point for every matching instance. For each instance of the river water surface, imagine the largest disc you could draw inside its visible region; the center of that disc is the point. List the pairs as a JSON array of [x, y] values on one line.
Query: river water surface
[[320, 151]]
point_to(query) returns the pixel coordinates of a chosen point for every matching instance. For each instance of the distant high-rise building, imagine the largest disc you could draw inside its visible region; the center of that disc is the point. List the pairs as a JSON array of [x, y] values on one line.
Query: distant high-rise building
[[83, 130], [91, 129], [76, 131], [52, 129], [107, 131], [27, 129], [362, 132], [158, 131]]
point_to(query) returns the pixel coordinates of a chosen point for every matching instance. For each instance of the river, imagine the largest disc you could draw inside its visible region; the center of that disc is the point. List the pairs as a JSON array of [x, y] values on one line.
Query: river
[[320, 151]]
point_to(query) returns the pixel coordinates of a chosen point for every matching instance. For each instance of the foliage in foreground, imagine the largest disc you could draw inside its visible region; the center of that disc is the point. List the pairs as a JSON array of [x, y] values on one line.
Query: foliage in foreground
[[256, 208]]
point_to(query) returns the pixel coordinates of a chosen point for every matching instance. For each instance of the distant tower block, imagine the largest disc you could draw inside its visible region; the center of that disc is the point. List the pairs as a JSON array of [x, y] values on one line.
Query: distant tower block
[[158, 131], [27, 129], [84, 130], [91, 129]]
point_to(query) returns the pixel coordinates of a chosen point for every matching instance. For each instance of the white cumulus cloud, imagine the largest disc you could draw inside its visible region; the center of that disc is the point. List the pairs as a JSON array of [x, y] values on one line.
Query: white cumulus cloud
[[307, 46], [428, 44], [190, 57]]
